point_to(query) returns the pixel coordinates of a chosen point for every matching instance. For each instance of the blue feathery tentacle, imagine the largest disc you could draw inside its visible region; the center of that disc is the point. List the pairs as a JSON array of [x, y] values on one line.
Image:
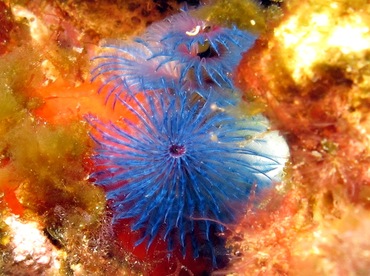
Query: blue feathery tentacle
[[185, 166], [127, 65], [221, 97]]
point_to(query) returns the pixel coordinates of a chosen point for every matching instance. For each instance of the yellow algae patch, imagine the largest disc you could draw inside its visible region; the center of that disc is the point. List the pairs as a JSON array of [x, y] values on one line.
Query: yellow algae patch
[[323, 35]]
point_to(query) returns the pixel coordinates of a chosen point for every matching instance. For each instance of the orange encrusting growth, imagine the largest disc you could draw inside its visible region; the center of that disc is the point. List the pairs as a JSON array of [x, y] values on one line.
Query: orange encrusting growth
[[11, 199], [63, 103]]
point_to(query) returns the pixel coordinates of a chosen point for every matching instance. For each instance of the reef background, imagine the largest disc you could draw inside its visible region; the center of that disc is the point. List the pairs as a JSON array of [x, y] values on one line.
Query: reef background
[[309, 72]]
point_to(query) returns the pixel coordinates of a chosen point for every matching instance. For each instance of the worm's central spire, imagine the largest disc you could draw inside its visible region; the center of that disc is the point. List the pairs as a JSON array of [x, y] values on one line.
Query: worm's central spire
[[177, 150]]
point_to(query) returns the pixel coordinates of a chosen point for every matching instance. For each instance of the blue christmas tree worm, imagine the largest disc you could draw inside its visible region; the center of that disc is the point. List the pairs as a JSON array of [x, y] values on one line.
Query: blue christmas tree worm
[[185, 164], [209, 51], [181, 50]]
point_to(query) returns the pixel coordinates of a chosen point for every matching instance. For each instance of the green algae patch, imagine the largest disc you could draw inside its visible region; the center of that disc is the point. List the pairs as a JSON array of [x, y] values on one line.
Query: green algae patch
[[51, 159], [9, 106], [19, 74], [11, 112], [20, 71], [46, 152]]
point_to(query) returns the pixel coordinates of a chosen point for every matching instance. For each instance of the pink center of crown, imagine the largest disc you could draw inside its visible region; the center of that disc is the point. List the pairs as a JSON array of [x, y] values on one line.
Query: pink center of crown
[[177, 150]]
